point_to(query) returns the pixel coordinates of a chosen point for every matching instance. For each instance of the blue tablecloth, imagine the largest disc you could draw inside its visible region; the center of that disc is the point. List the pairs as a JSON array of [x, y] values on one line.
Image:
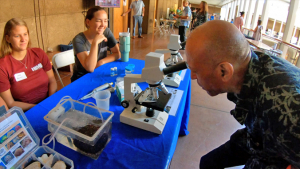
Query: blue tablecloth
[[129, 147]]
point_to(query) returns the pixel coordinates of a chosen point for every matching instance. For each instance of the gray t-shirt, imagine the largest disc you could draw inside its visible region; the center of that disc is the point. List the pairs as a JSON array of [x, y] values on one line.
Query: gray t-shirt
[[137, 7], [81, 44]]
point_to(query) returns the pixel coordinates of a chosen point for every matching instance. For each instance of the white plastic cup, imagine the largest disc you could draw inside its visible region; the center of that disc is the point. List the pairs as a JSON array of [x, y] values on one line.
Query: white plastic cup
[[102, 99]]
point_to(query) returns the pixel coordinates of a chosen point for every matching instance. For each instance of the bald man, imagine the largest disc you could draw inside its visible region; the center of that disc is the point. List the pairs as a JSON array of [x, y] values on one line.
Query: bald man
[[265, 90]]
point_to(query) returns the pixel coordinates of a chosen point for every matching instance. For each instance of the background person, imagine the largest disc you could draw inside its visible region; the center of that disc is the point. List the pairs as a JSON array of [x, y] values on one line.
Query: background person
[[138, 7], [258, 31], [184, 23], [26, 75], [90, 46], [239, 21], [194, 15], [171, 16], [212, 17], [201, 15], [265, 90]]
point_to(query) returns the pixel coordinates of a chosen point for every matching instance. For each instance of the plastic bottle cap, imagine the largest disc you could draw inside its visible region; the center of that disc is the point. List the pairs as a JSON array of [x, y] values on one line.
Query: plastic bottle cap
[[129, 68]]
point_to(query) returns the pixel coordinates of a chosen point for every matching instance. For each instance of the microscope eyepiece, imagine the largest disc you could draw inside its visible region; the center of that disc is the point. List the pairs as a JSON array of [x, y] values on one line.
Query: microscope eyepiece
[[175, 68]]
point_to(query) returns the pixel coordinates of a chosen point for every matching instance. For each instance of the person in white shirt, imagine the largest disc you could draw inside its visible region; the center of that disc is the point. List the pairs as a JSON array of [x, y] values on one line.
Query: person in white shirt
[[239, 21], [138, 7]]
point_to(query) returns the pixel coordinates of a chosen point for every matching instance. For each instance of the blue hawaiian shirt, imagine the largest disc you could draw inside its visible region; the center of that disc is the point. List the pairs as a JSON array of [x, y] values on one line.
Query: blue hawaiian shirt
[[269, 106]]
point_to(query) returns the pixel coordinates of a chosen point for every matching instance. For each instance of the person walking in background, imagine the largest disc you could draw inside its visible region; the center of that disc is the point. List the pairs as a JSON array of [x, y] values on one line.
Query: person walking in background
[[239, 21], [212, 17], [138, 7], [231, 21], [201, 15], [184, 23], [258, 31]]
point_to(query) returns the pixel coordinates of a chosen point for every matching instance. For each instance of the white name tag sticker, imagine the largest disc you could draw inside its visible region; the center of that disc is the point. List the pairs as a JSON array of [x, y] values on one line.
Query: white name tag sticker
[[20, 76]]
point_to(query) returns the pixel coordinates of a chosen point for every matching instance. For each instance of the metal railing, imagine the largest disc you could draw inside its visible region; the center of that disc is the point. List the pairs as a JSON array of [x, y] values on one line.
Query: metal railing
[[290, 51]]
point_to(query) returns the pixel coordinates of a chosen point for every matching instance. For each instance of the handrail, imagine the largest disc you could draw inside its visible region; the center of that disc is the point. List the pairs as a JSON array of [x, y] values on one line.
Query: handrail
[[289, 44], [279, 40]]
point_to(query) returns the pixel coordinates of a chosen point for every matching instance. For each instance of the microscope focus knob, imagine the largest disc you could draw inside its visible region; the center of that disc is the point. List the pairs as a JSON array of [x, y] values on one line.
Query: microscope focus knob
[[125, 103], [134, 109]]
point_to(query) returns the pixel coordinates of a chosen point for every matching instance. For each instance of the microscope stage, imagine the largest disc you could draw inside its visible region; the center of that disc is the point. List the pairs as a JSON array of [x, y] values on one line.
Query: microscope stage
[[160, 104]]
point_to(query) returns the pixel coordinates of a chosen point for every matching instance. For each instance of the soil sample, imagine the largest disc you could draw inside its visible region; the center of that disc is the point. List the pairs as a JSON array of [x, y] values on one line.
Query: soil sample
[[90, 130]]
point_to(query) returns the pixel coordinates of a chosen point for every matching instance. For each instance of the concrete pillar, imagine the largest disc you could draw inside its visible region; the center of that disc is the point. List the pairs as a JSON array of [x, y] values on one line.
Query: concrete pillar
[[298, 42], [265, 14], [249, 14], [226, 13], [298, 63], [294, 32], [234, 10], [287, 35], [280, 27], [255, 15], [238, 8], [231, 9], [241, 6], [274, 24], [245, 5], [245, 10]]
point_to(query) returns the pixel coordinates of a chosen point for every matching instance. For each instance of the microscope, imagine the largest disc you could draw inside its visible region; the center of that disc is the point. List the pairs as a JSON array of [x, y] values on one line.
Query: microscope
[[146, 109], [172, 79]]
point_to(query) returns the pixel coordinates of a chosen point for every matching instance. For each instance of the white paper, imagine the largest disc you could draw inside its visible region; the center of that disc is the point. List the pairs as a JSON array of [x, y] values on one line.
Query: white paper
[[174, 100], [182, 75]]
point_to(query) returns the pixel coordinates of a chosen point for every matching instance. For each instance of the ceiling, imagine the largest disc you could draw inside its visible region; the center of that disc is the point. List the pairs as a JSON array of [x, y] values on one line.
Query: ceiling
[[220, 3]]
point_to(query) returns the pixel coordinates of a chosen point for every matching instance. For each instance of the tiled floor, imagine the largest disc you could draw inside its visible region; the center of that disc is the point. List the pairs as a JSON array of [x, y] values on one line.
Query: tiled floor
[[210, 122]]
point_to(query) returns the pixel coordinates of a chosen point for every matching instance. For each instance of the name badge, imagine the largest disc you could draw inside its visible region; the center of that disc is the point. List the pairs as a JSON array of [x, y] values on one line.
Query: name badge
[[20, 76]]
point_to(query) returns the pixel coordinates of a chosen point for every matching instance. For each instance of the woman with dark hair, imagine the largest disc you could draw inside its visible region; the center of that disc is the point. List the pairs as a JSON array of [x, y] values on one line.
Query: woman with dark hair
[[26, 75], [201, 15], [90, 46], [258, 31]]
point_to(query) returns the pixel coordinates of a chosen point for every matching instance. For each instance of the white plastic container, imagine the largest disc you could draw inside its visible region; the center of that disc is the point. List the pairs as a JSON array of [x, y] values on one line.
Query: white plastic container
[[87, 130], [102, 99], [20, 144]]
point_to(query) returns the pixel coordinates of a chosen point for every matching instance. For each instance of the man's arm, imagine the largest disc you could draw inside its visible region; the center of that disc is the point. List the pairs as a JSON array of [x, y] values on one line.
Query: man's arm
[[143, 11], [126, 12]]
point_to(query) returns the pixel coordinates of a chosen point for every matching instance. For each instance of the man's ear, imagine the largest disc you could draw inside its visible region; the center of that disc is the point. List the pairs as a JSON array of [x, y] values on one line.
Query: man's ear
[[87, 23], [225, 71]]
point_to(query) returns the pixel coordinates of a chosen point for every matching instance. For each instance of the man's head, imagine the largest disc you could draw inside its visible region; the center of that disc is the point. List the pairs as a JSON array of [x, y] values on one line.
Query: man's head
[[217, 54], [242, 14], [185, 3]]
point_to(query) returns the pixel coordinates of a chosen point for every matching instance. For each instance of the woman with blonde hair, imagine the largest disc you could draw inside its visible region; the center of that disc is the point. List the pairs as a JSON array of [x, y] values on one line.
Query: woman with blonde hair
[[201, 15], [26, 75]]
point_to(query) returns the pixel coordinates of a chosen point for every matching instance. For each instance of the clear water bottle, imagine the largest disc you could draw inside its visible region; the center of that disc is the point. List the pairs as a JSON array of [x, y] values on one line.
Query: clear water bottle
[[112, 71]]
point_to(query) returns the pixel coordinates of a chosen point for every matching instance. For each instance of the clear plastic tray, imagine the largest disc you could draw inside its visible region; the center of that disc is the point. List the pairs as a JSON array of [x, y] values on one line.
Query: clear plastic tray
[[19, 144], [85, 129], [50, 163]]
